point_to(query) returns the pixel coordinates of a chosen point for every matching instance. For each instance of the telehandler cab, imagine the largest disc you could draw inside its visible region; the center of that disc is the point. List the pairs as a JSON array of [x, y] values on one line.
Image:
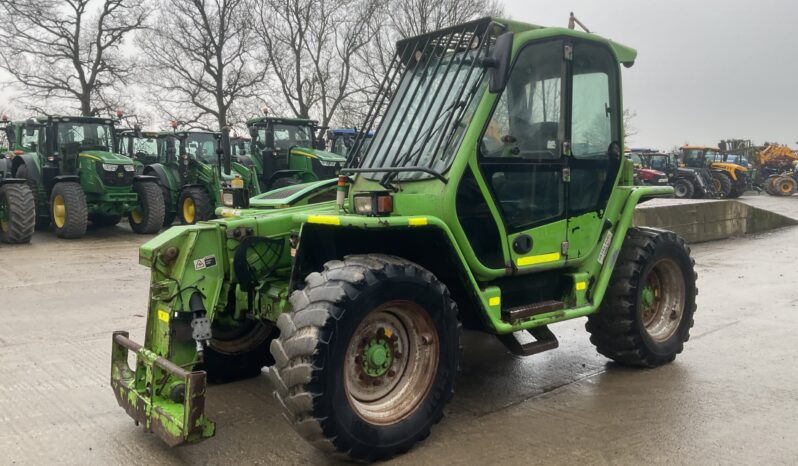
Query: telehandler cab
[[286, 152], [494, 195], [77, 177]]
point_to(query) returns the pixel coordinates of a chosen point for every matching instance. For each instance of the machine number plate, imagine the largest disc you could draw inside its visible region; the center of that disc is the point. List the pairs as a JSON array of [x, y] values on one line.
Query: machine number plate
[[605, 247], [204, 262]]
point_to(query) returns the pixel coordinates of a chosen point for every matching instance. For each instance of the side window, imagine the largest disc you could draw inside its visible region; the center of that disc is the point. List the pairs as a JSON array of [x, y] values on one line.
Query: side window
[[520, 148], [595, 128]]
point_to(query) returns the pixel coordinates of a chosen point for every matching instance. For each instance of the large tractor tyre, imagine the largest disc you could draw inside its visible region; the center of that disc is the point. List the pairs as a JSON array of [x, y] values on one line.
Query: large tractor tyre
[[169, 213], [240, 352], [68, 212], [195, 205], [683, 189], [770, 185], [722, 183], [738, 189], [147, 217], [102, 220], [42, 221], [366, 362], [19, 213], [646, 316], [785, 186]]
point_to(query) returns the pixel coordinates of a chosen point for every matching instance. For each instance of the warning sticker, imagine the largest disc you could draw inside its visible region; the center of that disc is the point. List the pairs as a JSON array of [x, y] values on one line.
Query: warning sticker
[[605, 247], [204, 262]]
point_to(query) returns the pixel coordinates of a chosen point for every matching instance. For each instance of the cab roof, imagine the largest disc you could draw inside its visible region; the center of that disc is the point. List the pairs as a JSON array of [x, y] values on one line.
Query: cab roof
[[283, 121]]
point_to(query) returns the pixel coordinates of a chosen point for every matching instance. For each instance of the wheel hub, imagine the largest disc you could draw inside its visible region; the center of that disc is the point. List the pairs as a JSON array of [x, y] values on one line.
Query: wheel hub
[[662, 300], [377, 353]]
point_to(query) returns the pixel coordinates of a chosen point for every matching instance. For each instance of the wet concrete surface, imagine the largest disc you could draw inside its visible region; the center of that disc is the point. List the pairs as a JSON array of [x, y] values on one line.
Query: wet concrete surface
[[729, 398]]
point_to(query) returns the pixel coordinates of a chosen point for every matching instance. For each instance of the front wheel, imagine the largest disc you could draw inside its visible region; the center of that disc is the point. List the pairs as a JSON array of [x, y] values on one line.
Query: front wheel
[[722, 184], [195, 205], [68, 211], [366, 362], [785, 185], [647, 313], [17, 213], [147, 217], [683, 189]]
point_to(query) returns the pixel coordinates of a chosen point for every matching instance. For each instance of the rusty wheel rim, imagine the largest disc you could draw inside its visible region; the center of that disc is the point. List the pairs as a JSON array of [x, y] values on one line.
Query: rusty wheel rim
[[391, 361], [662, 300]]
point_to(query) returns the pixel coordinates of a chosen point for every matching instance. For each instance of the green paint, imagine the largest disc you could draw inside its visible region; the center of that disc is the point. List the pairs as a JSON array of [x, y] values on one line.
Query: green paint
[[582, 247]]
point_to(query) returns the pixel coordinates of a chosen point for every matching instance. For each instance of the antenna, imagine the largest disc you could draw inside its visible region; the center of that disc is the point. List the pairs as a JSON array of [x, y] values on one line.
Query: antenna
[[573, 22]]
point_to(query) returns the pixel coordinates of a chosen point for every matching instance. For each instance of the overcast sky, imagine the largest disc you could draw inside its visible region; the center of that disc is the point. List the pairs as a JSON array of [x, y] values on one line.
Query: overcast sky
[[706, 70]]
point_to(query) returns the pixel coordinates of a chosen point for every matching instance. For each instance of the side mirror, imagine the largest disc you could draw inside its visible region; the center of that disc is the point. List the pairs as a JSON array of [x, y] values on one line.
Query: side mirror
[[30, 127], [253, 132], [224, 151], [499, 62]]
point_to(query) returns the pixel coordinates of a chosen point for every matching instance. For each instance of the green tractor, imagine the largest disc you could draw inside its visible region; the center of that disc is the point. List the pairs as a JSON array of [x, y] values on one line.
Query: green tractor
[[76, 177], [192, 173], [494, 195], [286, 152], [17, 206]]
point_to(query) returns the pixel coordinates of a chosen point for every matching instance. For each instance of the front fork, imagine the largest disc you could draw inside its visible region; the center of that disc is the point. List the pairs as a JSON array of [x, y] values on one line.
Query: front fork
[[167, 399]]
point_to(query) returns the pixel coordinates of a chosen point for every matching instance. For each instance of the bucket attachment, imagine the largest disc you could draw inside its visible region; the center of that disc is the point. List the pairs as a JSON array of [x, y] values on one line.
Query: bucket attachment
[[163, 396]]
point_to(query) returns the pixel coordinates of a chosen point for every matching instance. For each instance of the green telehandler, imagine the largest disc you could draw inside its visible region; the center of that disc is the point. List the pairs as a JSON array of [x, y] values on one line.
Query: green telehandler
[[77, 177], [286, 152], [17, 206], [493, 195]]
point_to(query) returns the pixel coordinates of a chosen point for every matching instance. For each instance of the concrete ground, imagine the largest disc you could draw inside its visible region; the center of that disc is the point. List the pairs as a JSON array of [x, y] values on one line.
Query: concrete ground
[[729, 398]]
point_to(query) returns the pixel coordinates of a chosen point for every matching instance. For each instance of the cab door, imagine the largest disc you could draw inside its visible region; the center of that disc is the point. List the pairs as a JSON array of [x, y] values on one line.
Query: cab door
[[593, 142], [521, 158]]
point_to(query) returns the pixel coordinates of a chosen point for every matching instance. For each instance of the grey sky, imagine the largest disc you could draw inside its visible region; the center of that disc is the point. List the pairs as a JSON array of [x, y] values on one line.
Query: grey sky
[[706, 70]]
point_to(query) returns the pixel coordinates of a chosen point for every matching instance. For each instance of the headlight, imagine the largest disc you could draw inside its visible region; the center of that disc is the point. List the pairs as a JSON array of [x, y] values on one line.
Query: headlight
[[227, 199], [327, 164], [109, 167], [130, 168], [373, 204]]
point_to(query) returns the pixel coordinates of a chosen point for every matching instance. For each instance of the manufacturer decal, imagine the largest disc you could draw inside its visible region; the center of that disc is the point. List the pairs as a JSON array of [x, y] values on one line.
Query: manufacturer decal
[[605, 247], [204, 262]]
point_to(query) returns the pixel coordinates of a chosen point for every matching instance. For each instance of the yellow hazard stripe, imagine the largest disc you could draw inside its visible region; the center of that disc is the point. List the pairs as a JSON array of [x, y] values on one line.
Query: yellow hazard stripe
[[538, 259], [324, 219], [581, 286], [417, 221], [163, 315], [306, 154], [494, 301], [89, 156]]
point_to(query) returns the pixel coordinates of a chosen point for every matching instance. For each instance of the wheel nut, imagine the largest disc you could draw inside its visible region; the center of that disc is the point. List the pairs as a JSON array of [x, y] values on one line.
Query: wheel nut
[[426, 338]]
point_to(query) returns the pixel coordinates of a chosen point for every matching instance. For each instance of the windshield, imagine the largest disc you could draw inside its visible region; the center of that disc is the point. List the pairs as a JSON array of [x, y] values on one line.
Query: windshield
[[83, 135], [444, 89], [201, 147], [145, 147]]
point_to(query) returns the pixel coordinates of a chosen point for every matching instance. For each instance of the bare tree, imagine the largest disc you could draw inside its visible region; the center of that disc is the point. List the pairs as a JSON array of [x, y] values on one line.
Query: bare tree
[[67, 52], [312, 47], [628, 129], [199, 61]]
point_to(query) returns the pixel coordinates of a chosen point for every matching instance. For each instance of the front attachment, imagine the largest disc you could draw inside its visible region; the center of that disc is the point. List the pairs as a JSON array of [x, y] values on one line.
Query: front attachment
[[163, 396]]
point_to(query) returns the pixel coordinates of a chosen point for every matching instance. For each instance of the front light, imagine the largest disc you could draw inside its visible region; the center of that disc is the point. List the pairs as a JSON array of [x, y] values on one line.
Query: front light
[[327, 164], [227, 199], [373, 204], [109, 167], [130, 168], [363, 205]]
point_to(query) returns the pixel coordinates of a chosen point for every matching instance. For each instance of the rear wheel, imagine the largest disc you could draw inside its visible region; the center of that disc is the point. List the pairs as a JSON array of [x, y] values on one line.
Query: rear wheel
[[17, 213], [722, 184], [770, 185], [238, 351], [785, 185], [68, 211], [366, 362], [147, 217], [646, 316], [42, 218], [683, 189], [195, 205]]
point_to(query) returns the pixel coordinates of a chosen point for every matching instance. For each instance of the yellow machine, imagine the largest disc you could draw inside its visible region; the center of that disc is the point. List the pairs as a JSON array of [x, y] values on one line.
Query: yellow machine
[[777, 166], [730, 179]]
